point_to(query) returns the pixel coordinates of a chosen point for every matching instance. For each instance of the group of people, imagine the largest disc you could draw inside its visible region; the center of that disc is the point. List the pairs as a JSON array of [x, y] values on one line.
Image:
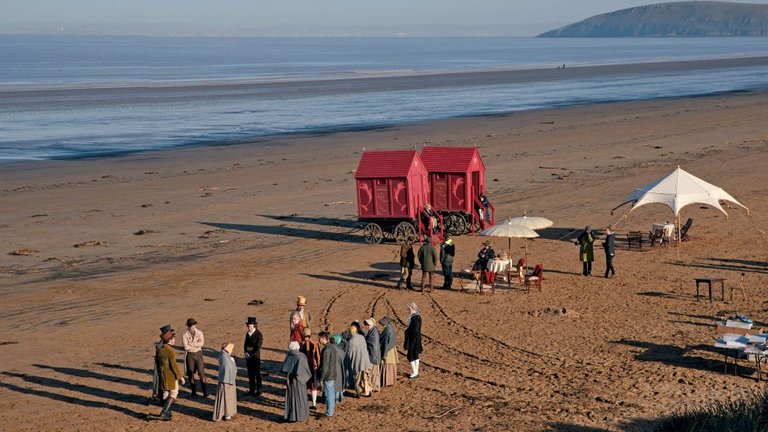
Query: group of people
[[586, 241], [428, 257], [167, 376], [362, 358]]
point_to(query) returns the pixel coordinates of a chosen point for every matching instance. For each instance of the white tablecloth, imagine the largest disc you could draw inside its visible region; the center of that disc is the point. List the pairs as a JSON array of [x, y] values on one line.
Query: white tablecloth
[[669, 229], [499, 265]]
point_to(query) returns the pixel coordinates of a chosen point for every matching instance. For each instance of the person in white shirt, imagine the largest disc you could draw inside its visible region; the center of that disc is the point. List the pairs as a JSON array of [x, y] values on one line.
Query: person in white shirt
[[193, 358]]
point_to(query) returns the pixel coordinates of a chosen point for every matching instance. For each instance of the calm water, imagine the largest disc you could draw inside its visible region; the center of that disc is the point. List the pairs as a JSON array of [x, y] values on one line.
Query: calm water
[[69, 97]]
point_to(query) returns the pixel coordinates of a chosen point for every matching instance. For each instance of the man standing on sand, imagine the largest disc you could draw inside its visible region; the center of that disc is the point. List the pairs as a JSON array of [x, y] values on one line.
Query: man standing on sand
[[374, 352], [328, 366], [407, 263], [428, 260], [169, 373], [609, 245], [586, 250], [157, 391], [193, 358], [252, 350], [447, 252]]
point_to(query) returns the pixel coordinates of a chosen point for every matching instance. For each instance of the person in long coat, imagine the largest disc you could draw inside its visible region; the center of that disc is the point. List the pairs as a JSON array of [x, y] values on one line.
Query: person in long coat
[[252, 353], [360, 363], [407, 263], [447, 253], [226, 391], [428, 260], [609, 245], [374, 352], [388, 341], [341, 372], [297, 374], [412, 344], [168, 372], [157, 391], [585, 242]]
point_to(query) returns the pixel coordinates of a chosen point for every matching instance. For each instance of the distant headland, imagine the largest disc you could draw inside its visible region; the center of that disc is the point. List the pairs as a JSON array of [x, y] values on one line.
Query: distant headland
[[676, 19]]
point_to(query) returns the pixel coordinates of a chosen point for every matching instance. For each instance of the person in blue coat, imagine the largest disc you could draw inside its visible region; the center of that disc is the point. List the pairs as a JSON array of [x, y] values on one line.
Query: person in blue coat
[[609, 245]]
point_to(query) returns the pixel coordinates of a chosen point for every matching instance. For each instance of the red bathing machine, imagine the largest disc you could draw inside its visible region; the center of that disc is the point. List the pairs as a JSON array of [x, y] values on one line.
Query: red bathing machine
[[456, 180], [391, 192]]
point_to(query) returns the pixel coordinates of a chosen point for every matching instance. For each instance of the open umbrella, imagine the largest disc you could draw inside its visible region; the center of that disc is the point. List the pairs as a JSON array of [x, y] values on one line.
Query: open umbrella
[[532, 222], [510, 230]]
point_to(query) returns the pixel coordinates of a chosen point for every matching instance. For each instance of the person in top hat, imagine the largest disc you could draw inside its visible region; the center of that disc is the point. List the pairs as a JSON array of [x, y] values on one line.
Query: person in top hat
[[157, 391], [585, 242], [169, 372], [193, 358], [226, 395], [301, 308], [252, 350], [447, 252]]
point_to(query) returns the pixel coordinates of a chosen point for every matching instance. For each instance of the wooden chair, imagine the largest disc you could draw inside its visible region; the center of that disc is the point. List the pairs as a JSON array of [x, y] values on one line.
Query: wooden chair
[[657, 235], [684, 230], [740, 288], [535, 278], [518, 272], [634, 237]]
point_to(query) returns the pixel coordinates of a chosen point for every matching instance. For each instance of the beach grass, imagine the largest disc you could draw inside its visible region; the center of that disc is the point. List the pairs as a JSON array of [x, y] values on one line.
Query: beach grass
[[747, 414]]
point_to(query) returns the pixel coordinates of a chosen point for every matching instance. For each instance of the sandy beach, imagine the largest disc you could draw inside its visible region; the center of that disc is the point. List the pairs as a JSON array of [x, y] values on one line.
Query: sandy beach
[[109, 250]]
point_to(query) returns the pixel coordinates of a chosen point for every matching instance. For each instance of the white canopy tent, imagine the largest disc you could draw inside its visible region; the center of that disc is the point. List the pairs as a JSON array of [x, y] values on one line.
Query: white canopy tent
[[678, 190]]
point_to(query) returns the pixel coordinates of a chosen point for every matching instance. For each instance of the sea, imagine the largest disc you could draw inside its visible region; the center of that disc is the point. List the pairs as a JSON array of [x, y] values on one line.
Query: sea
[[69, 97]]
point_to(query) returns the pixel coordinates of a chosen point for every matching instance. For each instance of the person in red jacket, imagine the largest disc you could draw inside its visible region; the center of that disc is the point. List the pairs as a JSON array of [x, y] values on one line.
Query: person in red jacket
[[296, 327]]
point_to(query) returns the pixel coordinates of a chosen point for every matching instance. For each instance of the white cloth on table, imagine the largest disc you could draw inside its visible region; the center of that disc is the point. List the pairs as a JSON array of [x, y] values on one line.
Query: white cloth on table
[[667, 228], [499, 265]]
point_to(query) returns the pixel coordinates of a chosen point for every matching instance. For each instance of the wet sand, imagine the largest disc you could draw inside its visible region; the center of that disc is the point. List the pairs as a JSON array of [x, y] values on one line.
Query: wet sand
[[202, 232]]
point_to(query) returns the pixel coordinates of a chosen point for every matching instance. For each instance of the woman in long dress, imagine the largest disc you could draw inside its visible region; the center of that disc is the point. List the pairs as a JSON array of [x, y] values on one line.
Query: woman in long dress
[[226, 391], [412, 343], [297, 374], [389, 349]]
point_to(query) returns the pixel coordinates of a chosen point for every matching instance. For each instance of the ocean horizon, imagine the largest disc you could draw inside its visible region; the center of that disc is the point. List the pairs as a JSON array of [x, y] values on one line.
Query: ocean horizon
[[69, 97]]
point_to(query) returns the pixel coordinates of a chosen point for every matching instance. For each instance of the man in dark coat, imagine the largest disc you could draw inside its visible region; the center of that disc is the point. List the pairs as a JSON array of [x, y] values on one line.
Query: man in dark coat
[[407, 263], [447, 252], [252, 350], [341, 373], [609, 245], [328, 365], [412, 343], [585, 242], [485, 255], [374, 352], [428, 260], [157, 391]]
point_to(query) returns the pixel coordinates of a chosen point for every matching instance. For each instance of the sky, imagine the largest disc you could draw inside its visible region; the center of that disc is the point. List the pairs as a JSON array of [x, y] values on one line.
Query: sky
[[515, 17]]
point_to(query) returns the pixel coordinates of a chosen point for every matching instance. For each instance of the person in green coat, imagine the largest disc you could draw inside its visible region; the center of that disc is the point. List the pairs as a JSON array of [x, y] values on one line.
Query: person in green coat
[[168, 372], [585, 242], [428, 260]]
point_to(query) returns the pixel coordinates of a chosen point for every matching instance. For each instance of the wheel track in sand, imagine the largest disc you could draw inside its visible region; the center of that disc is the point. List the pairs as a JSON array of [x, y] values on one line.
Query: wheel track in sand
[[537, 357], [329, 305], [450, 350]]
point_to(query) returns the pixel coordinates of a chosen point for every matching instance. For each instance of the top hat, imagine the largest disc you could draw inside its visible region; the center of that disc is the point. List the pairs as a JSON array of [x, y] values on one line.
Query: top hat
[[165, 329], [251, 320], [301, 301], [191, 322]]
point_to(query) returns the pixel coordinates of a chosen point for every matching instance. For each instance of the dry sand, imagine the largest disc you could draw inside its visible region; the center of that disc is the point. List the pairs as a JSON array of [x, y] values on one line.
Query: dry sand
[[221, 227]]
